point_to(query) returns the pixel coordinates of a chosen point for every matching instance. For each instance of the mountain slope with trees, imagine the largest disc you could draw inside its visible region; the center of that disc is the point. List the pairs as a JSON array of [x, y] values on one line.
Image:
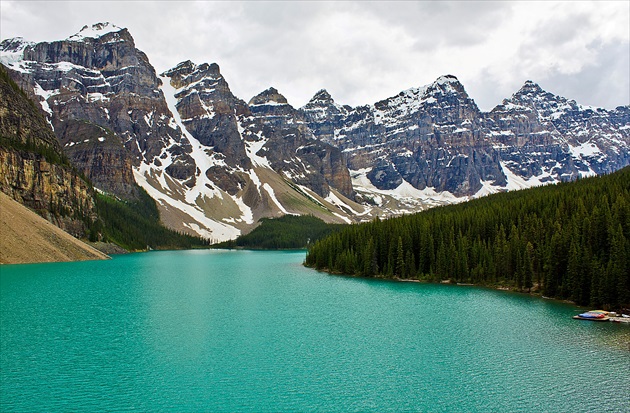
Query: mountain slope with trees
[[135, 225], [567, 241], [287, 232], [217, 164], [36, 172]]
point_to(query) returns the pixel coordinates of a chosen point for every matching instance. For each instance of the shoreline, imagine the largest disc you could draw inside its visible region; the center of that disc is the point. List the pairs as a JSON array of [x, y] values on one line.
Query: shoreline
[[580, 308]]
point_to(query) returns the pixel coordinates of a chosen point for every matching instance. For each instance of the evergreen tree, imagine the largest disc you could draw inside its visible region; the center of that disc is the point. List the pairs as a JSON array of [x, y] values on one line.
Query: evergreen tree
[[400, 259], [528, 267], [568, 240]]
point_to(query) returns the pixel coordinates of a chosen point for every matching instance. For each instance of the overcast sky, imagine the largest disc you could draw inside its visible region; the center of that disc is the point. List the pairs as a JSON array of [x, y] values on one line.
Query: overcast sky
[[362, 52]]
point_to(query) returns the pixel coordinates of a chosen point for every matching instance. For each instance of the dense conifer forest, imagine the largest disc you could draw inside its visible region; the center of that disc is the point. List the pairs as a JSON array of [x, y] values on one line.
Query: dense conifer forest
[[567, 241], [286, 232], [136, 225]]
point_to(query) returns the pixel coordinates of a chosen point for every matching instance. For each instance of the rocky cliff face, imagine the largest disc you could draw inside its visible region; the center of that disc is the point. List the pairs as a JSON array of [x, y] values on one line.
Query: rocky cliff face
[[98, 77], [216, 164], [100, 155], [292, 149], [33, 170], [54, 191], [433, 142], [201, 152]]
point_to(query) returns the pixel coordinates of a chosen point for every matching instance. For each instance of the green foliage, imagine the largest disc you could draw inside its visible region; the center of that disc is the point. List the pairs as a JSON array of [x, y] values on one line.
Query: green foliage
[[289, 231], [5, 77], [568, 241], [136, 225], [32, 146]]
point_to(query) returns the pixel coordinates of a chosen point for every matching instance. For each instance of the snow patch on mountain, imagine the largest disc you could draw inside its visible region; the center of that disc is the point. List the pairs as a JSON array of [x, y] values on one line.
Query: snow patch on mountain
[[403, 191], [517, 182], [247, 215], [202, 161], [335, 200], [252, 148], [186, 199], [12, 54], [94, 31], [204, 226], [584, 149], [45, 94], [272, 196]]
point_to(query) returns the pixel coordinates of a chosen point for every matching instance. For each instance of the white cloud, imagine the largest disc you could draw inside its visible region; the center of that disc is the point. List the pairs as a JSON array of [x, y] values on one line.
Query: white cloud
[[366, 51]]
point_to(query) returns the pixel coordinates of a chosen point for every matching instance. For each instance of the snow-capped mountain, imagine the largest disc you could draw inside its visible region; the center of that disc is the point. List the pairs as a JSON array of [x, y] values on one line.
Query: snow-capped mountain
[[214, 166], [550, 138], [217, 164], [247, 161], [435, 143], [102, 98]]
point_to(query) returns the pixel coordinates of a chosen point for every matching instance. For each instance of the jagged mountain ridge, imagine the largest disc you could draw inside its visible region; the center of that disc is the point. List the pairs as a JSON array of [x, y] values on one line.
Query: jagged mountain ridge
[[197, 149], [434, 139], [216, 164], [589, 140]]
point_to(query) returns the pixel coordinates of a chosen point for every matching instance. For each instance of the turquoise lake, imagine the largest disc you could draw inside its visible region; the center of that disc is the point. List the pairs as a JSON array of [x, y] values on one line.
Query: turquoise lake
[[197, 331]]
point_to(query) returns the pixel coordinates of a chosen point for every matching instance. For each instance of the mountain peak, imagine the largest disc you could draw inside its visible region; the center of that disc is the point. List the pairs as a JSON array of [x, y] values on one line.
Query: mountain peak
[[448, 83], [444, 85], [323, 108], [187, 72], [446, 79], [186, 66], [322, 96], [532, 94], [530, 88], [95, 31], [211, 69], [269, 96]]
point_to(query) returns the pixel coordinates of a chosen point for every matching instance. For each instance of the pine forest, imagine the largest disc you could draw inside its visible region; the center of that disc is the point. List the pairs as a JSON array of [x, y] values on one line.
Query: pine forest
[[567, 241]]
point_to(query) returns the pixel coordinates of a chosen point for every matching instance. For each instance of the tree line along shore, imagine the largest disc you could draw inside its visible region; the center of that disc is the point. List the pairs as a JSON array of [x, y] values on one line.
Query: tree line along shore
[[569, 241]]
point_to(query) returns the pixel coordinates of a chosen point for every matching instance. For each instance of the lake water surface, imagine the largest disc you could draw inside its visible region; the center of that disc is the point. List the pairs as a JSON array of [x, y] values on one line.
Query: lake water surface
[[255, 331]]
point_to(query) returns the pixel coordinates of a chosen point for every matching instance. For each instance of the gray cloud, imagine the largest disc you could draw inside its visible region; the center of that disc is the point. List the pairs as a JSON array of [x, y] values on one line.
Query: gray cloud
[[366, 51], [439, 24], [595, 83]]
